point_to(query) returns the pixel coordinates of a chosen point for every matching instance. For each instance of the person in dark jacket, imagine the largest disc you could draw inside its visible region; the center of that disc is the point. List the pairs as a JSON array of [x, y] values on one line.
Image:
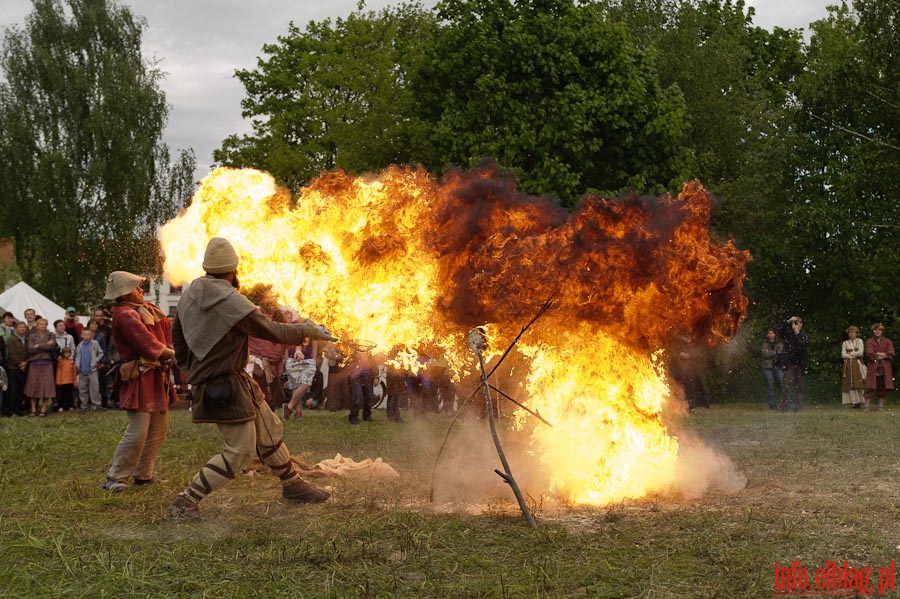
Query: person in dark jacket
[[796, 342], [16, 370]]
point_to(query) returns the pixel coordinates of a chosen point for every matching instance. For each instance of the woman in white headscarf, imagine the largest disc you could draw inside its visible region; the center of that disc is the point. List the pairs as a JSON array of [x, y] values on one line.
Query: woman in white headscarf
[[853, 375]]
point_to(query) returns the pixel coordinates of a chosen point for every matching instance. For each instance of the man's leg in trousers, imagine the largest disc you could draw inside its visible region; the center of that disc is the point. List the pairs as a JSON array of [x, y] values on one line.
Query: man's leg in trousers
[[95, 390], [129, 449], [276, 455], [355, 398], [240, 441], [83, 391], [881, 391], [270, 445], [786, 390], [156, 434], [368, 398]]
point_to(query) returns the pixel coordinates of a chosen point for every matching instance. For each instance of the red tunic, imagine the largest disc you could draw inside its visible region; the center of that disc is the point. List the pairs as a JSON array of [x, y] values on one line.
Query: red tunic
[[874, 346], [151, 391]]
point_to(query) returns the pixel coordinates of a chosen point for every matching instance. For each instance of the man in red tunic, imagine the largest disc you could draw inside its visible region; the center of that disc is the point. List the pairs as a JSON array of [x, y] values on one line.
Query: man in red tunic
[[143, 336], [879, 376]]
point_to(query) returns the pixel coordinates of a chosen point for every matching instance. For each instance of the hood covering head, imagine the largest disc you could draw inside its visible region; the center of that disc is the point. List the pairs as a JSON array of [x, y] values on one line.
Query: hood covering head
[[220, 257], [207, 310]]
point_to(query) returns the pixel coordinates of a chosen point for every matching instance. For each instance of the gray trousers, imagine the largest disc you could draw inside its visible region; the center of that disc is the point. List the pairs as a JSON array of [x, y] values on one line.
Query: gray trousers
[[137, 451], [89, 390]]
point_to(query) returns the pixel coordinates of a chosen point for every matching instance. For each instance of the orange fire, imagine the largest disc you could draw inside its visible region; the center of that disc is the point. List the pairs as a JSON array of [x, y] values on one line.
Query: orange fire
[[413, 263]]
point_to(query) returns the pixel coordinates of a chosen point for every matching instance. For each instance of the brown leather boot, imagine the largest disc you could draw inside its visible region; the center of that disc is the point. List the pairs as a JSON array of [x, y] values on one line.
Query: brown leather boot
[[183, 507], [303, 492]]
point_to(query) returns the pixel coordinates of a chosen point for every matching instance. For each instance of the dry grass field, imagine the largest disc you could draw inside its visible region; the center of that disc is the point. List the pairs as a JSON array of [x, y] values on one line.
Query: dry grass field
[[821, 486]]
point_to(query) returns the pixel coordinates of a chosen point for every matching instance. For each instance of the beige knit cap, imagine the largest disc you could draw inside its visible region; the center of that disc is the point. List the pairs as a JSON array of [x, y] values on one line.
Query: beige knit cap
[[121, 282], [220, 257]]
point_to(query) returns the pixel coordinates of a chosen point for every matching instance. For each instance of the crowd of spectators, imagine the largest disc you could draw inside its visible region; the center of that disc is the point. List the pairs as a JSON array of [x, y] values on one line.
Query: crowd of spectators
[[866, 372], [70, 366], [55, 369]]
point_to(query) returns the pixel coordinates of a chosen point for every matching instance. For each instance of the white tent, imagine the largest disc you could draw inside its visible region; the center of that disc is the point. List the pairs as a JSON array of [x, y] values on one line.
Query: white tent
[[22, 296]]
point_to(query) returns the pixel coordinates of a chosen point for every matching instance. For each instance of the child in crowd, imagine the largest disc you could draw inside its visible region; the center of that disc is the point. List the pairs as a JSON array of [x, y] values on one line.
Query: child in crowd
[[4, 385], [66, 379], [87, 359]]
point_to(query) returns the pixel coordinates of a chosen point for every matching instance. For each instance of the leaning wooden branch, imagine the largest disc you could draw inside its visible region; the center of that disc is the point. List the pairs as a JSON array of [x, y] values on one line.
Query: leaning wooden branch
[[547, 305], [524, 407], [477, 343]]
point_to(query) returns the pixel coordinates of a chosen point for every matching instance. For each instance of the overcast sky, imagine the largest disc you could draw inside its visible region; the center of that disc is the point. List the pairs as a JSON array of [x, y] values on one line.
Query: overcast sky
[[200, 43]]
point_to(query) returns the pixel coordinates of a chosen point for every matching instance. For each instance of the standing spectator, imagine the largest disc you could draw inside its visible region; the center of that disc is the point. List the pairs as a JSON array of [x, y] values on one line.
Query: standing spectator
[[4, 380], [30, 319], [7, 326], [879, 375], [424, 396], [211, 334], [66, 380], [16, 370], [772, 355], [795, 342], [301, 370], [397, 392], [87, 356], [335, 378], [266, 365], [40, 386], [143, 337], [361, 395], [104, 338], [687, 367], [4, 383], [73, 325], [853, 373], [63, 339]]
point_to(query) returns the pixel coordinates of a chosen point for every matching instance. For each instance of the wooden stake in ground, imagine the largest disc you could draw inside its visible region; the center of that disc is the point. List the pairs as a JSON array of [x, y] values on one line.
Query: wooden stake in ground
[[477, 343], [547, 305]]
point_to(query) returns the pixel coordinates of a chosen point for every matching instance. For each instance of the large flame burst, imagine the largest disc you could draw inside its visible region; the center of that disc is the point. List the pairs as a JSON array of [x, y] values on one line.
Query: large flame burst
[[413, 263]]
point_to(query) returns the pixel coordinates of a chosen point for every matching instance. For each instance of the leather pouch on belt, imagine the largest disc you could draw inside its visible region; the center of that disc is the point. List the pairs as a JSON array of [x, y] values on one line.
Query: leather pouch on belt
[[218, 392], [129, 371]]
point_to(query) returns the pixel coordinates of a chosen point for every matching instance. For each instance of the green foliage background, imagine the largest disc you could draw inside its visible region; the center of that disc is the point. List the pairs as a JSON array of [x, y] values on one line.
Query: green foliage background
[[86, 181], [798, 136]]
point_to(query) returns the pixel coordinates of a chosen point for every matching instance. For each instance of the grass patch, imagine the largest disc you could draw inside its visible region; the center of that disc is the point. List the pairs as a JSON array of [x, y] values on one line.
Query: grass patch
[[821, 485]]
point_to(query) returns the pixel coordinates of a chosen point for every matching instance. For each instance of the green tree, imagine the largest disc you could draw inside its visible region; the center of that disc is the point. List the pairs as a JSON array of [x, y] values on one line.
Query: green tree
[[735, 78], [738, 80], [86, 180], [817, 204], [333, 96], [846, 213], [554, 92]]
